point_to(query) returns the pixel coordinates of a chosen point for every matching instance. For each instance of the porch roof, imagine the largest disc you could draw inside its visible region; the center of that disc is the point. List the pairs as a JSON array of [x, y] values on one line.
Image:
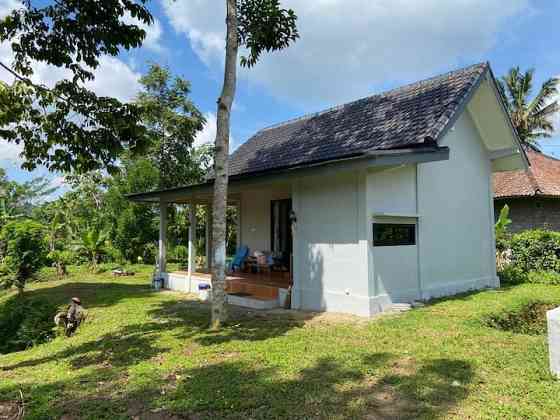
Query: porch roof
[[376, 158]]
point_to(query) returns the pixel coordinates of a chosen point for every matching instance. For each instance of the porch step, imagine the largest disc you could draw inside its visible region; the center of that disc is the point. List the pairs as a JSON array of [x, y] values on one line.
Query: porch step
[[401, 307], [253, 302]]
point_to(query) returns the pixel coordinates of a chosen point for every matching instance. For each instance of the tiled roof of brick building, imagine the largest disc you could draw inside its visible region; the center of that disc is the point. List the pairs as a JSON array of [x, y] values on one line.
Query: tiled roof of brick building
[[542, 178]]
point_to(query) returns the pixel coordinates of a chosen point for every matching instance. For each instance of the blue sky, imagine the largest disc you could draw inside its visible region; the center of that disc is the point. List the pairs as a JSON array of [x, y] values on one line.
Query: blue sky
[[348, 49]]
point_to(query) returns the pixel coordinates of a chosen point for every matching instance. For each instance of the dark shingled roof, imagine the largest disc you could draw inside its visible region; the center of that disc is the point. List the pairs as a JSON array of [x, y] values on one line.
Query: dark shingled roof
[[411, 116]]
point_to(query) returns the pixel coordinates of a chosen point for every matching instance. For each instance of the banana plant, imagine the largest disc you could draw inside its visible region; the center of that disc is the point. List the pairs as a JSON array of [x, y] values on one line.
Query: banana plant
[[92, 242]]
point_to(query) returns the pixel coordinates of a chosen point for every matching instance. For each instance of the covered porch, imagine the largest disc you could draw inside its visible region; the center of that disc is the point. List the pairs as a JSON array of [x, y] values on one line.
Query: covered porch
[[261, 224]]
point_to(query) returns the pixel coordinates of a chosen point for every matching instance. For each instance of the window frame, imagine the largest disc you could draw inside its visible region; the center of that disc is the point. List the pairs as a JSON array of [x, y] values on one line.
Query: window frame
[[410, 240]]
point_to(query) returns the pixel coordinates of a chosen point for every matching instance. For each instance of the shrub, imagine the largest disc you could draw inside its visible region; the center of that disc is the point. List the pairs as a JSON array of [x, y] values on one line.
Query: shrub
[[181, 253], [25, 251], [529, 319], [544, 277], [61, 259], [536, 250], [149, 253], [25, 322], [511, 275]]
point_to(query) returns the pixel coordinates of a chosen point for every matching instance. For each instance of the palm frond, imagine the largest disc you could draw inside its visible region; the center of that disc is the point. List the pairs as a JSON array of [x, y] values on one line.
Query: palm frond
[[548, 90]]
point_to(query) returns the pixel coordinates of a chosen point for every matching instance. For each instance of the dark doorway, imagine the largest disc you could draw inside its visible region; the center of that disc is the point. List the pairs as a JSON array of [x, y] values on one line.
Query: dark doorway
[[281, 231]]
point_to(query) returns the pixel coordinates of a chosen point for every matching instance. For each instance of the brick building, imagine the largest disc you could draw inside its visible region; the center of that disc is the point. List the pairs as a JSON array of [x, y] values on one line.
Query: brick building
[[533, 196]]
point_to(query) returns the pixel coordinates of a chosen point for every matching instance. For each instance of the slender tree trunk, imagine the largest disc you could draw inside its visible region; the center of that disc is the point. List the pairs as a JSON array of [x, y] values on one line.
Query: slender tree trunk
[[219, 207]]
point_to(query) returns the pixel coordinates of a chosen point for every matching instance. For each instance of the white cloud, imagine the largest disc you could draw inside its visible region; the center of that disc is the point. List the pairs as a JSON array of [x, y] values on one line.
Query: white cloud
[[9, 153], [208, 133], [6, 6], [152, 41], [113, 77], [349, 48]]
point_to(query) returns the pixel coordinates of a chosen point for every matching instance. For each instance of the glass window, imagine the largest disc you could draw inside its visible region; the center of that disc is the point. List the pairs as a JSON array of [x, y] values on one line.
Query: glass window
[[392, 234]]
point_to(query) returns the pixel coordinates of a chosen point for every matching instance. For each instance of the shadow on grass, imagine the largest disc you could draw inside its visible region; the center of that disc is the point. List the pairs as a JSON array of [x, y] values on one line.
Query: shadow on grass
[[325, 390], [380, 389], [27, 320], [121, 349], [93, 294], [243, 324]]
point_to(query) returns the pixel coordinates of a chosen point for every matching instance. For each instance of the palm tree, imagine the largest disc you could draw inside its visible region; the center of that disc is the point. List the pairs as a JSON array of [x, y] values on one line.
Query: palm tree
[[531, 118]]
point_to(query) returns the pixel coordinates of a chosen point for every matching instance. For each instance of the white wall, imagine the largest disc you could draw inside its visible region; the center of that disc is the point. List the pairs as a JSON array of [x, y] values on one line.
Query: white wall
[[255, 216], [330, 256], [456, 236], [393, 269]]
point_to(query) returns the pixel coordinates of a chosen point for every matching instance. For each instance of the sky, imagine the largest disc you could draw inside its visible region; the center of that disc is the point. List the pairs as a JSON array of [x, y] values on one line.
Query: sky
[[347, 49]]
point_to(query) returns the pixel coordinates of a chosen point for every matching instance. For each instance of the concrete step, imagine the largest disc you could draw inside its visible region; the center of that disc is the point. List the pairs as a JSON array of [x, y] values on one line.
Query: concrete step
[[253, 302]]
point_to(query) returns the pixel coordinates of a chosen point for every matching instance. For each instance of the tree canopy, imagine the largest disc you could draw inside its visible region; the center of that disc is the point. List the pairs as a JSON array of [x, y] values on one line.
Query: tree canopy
[[68, 127], [172, 122]]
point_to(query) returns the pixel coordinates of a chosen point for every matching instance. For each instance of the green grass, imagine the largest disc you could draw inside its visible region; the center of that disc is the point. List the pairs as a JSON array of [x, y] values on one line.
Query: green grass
[[149, 354]]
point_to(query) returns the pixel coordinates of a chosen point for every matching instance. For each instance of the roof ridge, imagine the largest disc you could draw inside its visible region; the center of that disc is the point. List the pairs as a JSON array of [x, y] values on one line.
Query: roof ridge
[[392, 91], [446, 116]]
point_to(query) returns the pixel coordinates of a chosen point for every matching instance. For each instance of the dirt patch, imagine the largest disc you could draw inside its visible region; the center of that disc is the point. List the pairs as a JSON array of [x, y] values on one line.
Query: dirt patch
[[387, 404], [11, 410], [404, 366], [137, 411], [529, 319]]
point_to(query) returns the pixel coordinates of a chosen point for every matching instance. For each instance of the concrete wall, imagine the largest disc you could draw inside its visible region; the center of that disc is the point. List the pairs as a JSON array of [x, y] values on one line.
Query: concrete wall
[[531, 213], [394, 269], [336, 266], [255, 216], [456, 235], [330, 244]]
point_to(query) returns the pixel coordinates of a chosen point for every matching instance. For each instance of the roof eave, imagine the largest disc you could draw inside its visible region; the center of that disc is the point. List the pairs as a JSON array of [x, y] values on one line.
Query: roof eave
[[372, 158]]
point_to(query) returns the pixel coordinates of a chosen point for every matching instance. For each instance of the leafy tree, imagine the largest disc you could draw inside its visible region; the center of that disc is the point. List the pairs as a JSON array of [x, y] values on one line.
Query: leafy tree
[[259, 26], [532, 118], [68, 127], [172, 121], [92, 243], [133, 227], [57, 233], [24, 251], [17, 200]]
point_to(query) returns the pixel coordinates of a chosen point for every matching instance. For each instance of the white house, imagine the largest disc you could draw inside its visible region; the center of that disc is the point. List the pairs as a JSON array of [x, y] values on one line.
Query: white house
[[383, 200]]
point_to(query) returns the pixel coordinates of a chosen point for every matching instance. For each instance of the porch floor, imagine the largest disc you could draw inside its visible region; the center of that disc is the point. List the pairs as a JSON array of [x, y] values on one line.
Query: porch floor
[[262, 285]]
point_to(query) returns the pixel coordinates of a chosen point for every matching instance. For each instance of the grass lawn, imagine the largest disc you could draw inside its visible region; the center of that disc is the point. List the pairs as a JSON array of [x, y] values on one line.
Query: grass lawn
[[145, 354]]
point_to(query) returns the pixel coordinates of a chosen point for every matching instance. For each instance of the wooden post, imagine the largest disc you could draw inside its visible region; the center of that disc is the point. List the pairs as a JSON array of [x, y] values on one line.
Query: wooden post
[[162, 255], [192, 240]]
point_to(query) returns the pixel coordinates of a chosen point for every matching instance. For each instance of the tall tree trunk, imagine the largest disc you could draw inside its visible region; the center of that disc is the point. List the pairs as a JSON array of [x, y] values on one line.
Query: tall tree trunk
[[225, 101]]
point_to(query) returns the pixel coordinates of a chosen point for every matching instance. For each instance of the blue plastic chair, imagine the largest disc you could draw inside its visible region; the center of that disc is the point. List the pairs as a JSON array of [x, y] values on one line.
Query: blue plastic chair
[[239, 258]]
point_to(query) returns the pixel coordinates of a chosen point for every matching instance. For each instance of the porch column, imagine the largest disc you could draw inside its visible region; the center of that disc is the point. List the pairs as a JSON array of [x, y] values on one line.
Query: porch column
[[208, 238], [238, 226], [162, 255], [192, 239]]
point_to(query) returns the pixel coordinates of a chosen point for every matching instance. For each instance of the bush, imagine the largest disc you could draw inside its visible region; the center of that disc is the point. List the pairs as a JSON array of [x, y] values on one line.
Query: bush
[[511, 275], [536, 250], [25, 322], [544, 277], [181, 253], [529, 319], [25, 251], [149, 253]]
